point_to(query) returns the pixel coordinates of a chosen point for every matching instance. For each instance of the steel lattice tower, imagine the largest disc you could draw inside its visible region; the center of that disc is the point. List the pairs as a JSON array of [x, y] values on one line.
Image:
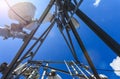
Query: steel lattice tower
[[64, 11]]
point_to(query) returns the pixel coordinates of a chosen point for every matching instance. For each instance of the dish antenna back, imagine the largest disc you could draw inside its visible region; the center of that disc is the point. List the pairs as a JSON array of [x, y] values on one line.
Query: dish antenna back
[[25, 10]]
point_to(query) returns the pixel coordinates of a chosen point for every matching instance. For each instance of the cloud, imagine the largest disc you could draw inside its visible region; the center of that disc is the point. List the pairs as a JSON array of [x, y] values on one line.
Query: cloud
[[96, 3], [102, 76], [116, 65]]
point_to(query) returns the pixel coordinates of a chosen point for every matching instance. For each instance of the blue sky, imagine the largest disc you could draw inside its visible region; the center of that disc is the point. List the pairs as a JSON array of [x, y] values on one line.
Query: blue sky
[[106, 14]]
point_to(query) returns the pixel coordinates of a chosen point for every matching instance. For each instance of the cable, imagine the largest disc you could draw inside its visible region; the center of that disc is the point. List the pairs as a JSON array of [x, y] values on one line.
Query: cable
[[108, 70], [14, 11]]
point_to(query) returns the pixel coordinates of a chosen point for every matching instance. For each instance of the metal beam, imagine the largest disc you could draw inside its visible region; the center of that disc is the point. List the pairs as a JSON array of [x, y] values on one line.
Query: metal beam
[[60, 70], [63, 71], [43, 39], [11, 66], [40, 38], [107, 39], [70, 39], [49, 62], [70, 46], [82, 47]]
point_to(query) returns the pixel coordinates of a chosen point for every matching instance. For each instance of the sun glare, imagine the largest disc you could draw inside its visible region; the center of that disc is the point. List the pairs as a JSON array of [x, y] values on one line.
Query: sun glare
[[3, 6]]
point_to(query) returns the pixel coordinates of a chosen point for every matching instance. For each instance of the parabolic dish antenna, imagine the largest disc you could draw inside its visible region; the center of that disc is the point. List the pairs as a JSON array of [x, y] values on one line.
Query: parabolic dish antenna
[[23, 11]]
